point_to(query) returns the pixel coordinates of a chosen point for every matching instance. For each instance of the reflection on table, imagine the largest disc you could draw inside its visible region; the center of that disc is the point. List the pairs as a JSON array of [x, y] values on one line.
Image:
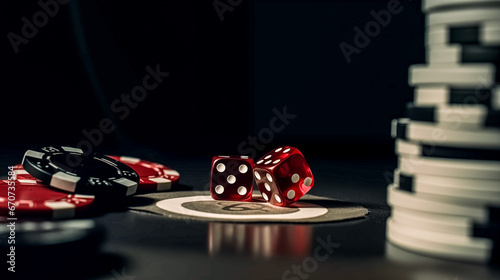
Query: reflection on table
[[260, 240]]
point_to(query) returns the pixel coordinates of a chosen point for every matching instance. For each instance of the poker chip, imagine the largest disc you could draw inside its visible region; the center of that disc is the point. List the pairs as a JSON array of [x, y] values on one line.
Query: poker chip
[[454, 54], [33, 198], [459, 17], [454, 116], [473, 190], [443, 95], [486, 138], [21, 173], [463, 75], [68, 169], [434, 151], [154, 177], [459, 168], [449, 246], [445, 223], [482, 34], [436, 5], [479, 212]]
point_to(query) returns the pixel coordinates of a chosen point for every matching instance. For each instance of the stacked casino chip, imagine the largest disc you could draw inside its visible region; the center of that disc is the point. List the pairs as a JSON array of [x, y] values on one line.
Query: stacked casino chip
[[61, 182], [445, 197]]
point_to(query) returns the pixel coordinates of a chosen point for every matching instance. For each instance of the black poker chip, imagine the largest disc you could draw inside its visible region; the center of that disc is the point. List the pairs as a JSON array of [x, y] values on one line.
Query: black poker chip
[[68, 169]]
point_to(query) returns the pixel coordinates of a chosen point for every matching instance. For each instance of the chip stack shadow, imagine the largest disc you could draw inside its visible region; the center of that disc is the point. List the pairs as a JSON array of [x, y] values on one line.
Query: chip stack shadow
[[445, 197]]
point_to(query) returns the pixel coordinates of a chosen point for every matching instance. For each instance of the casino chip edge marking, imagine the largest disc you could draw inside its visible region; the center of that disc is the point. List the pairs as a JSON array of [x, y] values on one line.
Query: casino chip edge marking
[[39, 165], [431, 204], [449, 96], [460, 168], [59, 205], [462, 75], [461, 54], [404, 128], [484, 34], [445, 224], [476, 250], [455, 116], [432, 151], [452, 188], [148, 184], [462, 16]]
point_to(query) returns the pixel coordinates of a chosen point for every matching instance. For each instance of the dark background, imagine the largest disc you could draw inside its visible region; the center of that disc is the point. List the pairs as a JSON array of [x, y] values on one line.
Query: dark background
[[225, 76]]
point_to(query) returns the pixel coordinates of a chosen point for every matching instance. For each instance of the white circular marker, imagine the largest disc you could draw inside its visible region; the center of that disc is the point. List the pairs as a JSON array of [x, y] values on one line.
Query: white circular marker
[[257, 175], [278, 149], [264, 195], [278, 198], [268, 156], [295, 178], [290, 194], [176, 205], [286, 150], [221, 167], [308, 181], [268, 162], [260, 161], [268, 188], [242, 190], [269, 177], [276, 161], [243, 168], [231, 179], [219, 189]]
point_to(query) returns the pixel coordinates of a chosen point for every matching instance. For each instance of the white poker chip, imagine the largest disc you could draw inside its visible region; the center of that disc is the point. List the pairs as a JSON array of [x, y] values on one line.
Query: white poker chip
[[454, 54], [469, 75], [463, 16], [455, 117], [435, 5], [484, 34], [438, 244], [455, 225], [438, 95], [473, 190], [486, 138], [460, 168], [407, 148], [480, 213]]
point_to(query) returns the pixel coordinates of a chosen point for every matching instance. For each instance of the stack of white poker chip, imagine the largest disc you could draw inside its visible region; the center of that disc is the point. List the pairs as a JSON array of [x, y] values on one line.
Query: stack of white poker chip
[[445, 196]]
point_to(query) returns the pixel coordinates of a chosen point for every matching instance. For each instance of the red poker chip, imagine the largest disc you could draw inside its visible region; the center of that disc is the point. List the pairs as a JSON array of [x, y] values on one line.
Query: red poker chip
[[154, 177], [21, 173], [32, 198]]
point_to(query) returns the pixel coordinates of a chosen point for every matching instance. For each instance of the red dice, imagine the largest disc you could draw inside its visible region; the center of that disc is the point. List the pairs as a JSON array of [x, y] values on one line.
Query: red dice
[[231, 178], [283, 176]]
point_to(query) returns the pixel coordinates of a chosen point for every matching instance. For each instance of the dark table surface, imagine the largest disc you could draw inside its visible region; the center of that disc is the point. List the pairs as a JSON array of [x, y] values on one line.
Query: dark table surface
[[145, 246]]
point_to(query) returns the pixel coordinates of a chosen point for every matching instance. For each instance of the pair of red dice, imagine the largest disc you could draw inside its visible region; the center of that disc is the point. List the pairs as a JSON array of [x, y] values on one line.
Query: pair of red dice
[[282, 176]]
